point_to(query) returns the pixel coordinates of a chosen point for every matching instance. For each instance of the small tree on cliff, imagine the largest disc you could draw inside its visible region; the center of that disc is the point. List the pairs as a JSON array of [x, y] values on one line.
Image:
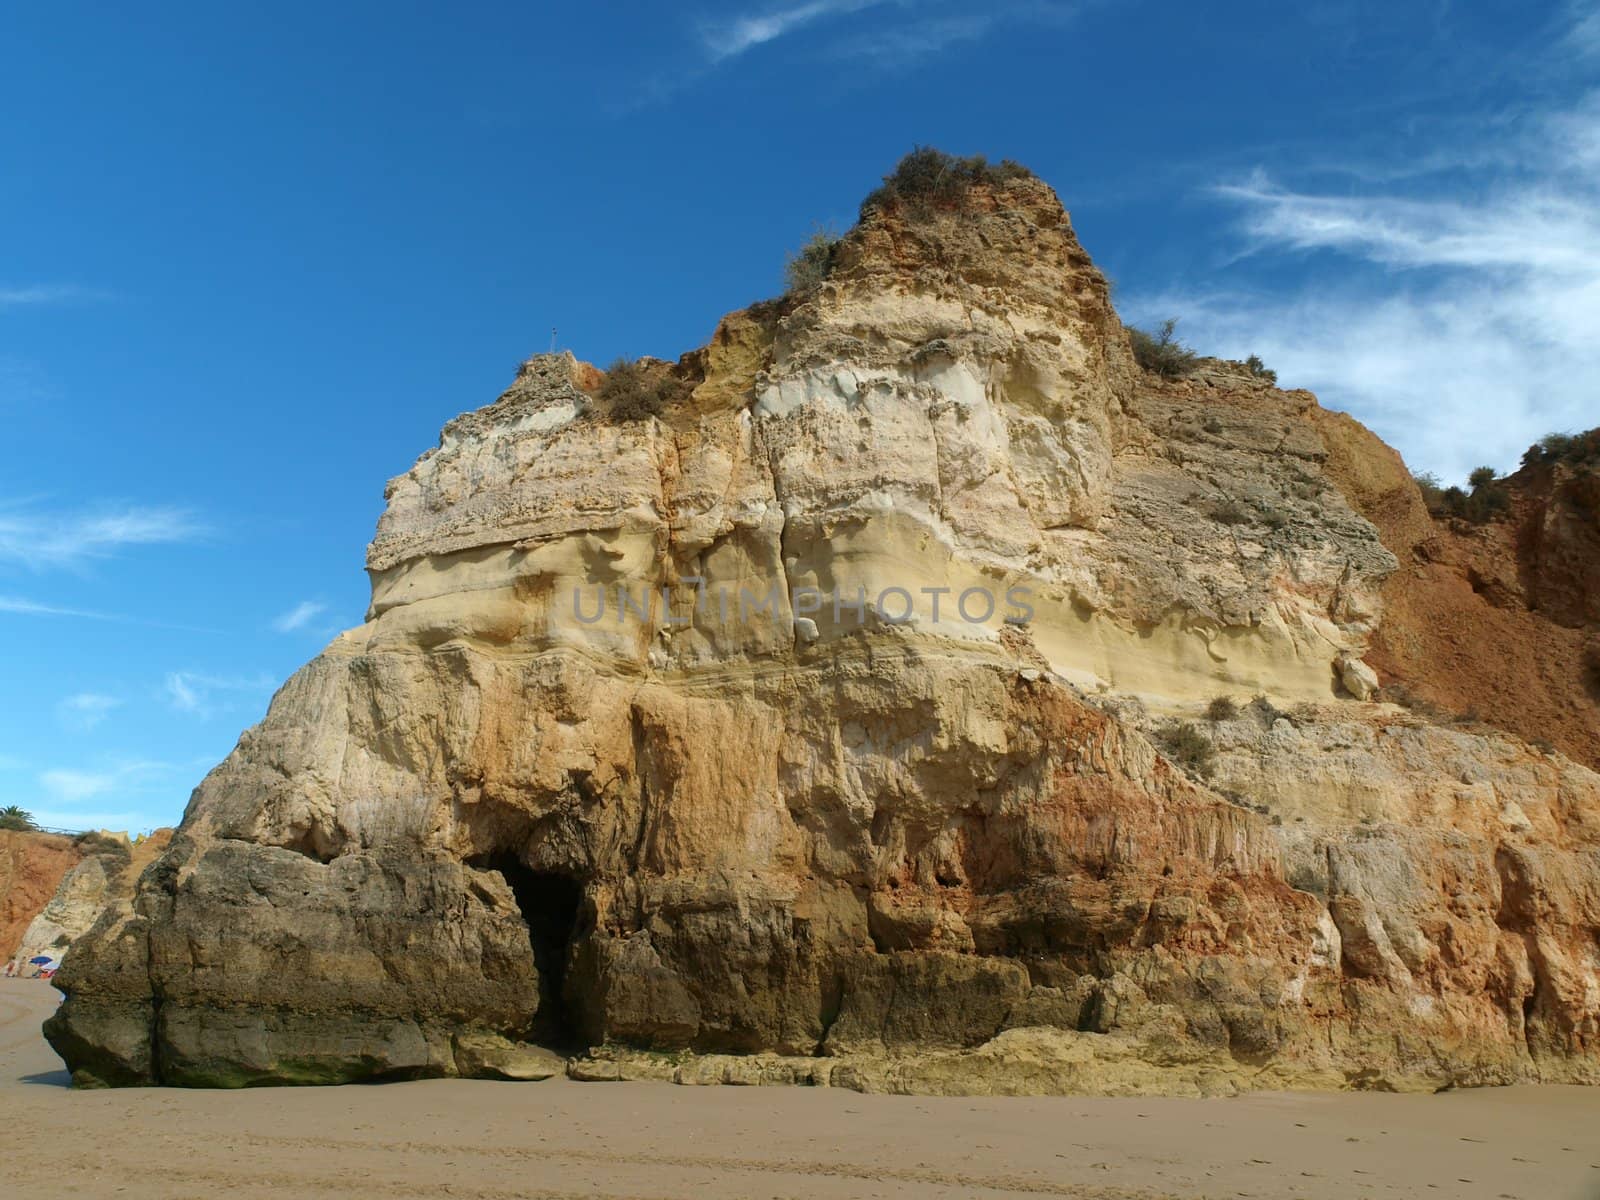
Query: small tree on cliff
[[808, 266], [636, 389], [1487, 500], [1579, 449], [1161, 353], [12, 817], [1259, 369]]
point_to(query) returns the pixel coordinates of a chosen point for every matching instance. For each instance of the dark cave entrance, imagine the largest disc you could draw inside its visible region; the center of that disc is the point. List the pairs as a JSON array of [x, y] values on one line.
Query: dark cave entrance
[[549, 904]]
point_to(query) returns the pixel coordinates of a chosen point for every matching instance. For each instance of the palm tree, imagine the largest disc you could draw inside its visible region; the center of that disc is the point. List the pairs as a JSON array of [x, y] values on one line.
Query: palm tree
[[12, 817]]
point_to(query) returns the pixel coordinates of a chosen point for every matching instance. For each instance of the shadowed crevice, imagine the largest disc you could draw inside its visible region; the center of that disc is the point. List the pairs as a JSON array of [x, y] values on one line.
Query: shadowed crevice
[[549, 903]]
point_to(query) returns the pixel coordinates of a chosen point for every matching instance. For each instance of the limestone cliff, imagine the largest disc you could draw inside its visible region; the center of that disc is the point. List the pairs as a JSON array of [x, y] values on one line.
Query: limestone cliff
[[771, 802]]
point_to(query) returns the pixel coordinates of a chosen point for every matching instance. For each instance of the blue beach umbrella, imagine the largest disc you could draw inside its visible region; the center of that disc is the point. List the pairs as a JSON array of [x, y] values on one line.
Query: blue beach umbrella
[[42, 960]]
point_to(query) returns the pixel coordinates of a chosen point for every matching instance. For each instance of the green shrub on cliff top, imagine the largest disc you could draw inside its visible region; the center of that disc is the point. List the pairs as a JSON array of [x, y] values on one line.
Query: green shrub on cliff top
[[635, 389], [1161, 353], [1576, 448], [1486, 500], [928, 179], [1260, 369], [808, 266]]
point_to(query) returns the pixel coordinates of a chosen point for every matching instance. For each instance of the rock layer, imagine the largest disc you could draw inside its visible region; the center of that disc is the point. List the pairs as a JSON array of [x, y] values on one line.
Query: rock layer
[[964, 850]]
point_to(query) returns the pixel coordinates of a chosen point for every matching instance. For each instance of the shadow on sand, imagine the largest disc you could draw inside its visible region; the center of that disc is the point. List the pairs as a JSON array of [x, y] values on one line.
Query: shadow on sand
[[47, 1078]]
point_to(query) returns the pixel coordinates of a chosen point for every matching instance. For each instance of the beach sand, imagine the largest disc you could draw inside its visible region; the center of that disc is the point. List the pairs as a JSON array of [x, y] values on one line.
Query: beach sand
[[559, 1139]]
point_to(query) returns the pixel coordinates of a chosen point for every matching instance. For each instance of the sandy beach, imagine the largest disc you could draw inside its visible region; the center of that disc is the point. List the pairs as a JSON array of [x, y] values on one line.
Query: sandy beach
[[648, 1140]]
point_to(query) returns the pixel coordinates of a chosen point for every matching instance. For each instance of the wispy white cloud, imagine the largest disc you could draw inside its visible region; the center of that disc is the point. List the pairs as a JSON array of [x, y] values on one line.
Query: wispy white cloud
[[194, 692], [47, 293], [184, 697], [892, 32], [732, 36], [1528, 229], [909, 43], [71, 784], [32, 608], [24, 607], [299, 616], [1462, 325], [77, 797], [1584, 36], [44, 540], [85, 710]]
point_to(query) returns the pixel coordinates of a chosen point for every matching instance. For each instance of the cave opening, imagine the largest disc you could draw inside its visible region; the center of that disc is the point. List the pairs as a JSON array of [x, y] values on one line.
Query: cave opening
[[549, 904]]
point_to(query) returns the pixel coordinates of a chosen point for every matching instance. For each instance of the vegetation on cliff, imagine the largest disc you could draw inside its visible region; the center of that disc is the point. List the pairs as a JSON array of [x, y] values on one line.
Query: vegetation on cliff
[[1483, 499], [1161, 353], [1486, 497], [18, 819], [1260, 370], [635, 389], [808, 266], [927, 180], [1578, 449]]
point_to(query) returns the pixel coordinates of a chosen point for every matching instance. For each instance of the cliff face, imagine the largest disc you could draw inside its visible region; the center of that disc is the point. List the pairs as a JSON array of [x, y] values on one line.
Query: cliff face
[[877, 843], [31, 867], [1498, 619], [107, 868]]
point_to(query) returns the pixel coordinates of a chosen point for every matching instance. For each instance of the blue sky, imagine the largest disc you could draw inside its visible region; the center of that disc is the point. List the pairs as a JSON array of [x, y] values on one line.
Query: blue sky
[[253, 255]]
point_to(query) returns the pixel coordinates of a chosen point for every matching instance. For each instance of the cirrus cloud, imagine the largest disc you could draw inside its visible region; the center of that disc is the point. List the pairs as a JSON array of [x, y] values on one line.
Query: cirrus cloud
[[196, 692], [733, 35], [299, 616], [1461, 323], [28, 295], [39, 540], [84, 710]]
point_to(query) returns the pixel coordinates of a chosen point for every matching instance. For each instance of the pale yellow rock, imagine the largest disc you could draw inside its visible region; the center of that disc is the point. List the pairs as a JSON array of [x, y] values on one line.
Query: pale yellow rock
[[489, 1056]]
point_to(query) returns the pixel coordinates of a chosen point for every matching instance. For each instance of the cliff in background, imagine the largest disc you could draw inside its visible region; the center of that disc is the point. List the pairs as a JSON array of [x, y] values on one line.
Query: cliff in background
[[1160, 833], [53, 887], [108, 868], [31, 868]]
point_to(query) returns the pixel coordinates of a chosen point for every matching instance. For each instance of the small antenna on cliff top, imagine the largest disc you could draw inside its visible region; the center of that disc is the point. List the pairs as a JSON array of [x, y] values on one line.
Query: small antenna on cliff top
[[552, 339]]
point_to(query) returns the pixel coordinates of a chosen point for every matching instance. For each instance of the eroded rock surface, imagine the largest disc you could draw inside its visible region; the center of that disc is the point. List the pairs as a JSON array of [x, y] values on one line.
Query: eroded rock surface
[[801, 843]]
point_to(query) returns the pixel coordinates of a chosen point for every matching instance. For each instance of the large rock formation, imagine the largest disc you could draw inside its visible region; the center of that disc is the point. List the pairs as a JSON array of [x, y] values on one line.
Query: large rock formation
[[989, 845]]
